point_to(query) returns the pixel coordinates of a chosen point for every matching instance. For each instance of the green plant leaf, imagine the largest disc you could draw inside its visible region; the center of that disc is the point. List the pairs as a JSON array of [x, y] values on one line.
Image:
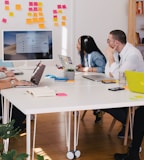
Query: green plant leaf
[[39, 157], [9, 155], [21, 156]]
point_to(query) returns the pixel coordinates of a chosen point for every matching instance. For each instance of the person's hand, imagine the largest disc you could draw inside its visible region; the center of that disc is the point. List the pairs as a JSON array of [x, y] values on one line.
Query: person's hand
[[83, 69], [79, 69], [23, 83], [78, 66], [9, 73], [109, 54], [2, 69], [17, 82]]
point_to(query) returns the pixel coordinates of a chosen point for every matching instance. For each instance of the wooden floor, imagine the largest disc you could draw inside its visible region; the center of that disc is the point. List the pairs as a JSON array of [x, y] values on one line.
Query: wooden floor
[[94, 142]]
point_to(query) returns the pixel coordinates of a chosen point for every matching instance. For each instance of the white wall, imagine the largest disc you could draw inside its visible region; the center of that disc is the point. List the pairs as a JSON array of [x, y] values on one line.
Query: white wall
[[97, 18], [93, 17]]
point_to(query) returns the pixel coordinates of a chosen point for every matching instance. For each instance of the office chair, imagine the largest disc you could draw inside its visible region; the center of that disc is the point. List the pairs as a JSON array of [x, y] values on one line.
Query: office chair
[[129, 124]]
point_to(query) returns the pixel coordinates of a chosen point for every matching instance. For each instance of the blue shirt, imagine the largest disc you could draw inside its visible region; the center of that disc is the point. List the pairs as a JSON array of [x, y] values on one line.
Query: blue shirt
[[96, 60]]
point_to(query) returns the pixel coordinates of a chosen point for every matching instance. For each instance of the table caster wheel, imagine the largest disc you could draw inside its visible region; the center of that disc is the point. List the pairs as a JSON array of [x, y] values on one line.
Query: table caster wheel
[[70, 155], [77, 154]]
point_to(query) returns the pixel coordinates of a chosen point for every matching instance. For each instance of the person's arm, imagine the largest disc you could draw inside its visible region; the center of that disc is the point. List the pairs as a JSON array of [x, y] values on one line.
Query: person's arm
[[2, 69], [112, 66], [97, 62], [9, 73], [12, 82], [5, 73]]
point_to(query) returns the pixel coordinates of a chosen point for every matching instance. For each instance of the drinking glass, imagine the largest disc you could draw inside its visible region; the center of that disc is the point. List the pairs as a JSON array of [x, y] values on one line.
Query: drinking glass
[[122, 79]]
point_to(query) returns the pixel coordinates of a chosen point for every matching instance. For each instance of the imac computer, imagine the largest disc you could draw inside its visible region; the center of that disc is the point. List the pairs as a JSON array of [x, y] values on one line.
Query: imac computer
[[26, 45]]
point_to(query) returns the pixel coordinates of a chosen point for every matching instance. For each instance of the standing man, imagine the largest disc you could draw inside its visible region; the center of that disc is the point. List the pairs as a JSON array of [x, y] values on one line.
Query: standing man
[[121, 56]]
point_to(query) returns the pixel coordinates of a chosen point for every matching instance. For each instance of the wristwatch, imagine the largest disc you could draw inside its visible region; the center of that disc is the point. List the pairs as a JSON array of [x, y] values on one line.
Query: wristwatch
[[12, 83]]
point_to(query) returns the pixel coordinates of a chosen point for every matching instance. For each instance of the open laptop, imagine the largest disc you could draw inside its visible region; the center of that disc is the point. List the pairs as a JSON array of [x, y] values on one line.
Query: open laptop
[[97, 77], [135, 81], [65, 60], [36, 75]]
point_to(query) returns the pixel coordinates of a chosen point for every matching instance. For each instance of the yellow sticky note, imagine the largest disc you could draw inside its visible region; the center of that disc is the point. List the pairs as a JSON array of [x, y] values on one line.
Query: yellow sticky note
[[55, 19], [18, 7], [40, 14], [7, 8], [29, 14], [70, 81], [29, 21], [139, 96], [56, 24], [60, 11], [41, 26], [41, 19], [40, 4], [35, 20], [35, 15], [39, 9], [11, 14], [63, 23], [64, 18]]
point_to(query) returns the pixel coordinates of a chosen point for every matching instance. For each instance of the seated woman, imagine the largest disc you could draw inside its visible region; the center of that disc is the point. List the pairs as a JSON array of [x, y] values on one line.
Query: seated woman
[[92, 60]]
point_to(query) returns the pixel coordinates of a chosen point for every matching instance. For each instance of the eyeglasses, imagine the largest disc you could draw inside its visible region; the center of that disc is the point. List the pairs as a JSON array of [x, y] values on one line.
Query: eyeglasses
[[110, 40]]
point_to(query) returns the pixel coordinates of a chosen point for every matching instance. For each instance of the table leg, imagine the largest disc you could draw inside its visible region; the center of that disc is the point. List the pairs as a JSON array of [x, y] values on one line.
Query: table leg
[[28, 136], [34, 135], [5, 109], [74, 153], [77, 153]]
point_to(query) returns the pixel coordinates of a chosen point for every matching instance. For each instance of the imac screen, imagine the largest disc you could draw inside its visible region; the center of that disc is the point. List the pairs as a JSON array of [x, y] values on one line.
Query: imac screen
[[27, 45]]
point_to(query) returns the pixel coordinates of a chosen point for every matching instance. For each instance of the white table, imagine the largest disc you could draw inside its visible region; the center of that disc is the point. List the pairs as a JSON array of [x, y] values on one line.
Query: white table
[[82, 94]]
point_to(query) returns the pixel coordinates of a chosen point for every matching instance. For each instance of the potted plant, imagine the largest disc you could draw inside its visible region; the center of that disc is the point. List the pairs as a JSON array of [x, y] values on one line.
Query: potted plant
[[69, 72], [7, 131]]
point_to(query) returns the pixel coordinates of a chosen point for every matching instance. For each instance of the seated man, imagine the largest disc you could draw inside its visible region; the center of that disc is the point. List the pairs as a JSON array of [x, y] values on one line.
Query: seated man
[[138, 133], [130, 59]]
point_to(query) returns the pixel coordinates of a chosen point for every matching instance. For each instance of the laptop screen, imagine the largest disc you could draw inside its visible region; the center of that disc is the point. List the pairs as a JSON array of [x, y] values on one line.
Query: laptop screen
[[65, 60], [37, 73]]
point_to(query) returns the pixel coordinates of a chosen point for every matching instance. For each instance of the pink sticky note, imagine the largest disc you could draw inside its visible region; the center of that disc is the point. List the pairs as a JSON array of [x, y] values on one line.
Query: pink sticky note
[[30, 3], [59, 6], [54, 11], [35, 3], [4, 20], [30, 9], [7, 2], [35, 9], [61, 94], [64, 6]]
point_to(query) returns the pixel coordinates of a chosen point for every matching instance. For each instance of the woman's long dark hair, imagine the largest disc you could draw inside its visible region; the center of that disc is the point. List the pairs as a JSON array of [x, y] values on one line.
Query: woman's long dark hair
[[88, 45]]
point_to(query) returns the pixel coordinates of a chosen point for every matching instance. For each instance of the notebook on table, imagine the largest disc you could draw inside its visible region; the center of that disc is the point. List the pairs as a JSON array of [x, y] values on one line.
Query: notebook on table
[[36, 75], [135, 81], [97, 78]]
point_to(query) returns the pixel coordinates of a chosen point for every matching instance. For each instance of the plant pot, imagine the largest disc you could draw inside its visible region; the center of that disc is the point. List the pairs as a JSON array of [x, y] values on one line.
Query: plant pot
[[69, 74]]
